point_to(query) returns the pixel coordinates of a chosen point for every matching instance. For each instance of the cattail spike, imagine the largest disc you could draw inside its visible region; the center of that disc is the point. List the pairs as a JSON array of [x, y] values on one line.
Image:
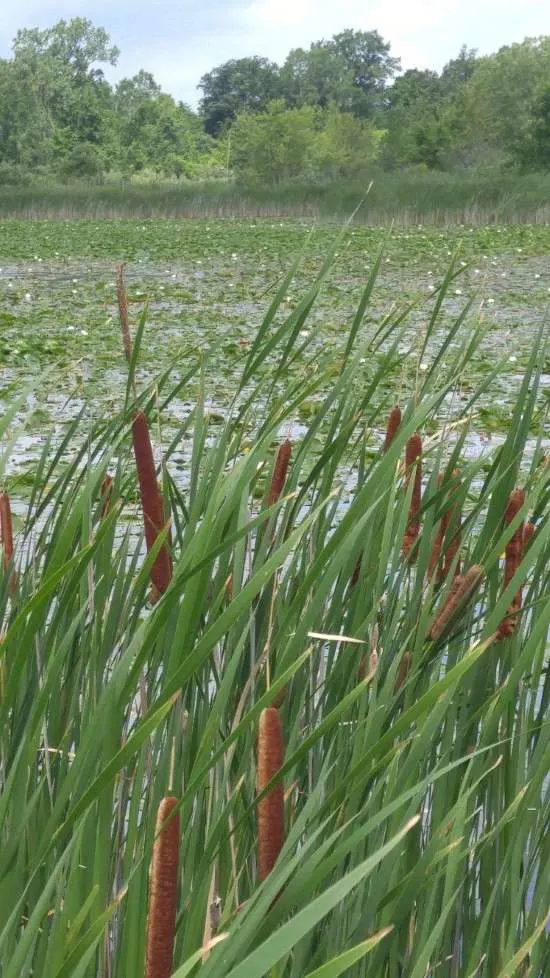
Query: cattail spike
[[161, 923], [6, 529], [394, 422], [279, 472], [271, 807], [413, 469], [528, 534], [461, 591], [151, 503], [513, 558]]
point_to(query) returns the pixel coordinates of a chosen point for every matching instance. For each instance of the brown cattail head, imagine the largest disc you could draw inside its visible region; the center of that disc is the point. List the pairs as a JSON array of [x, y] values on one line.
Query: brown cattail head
[[528, 534], [271, 814], [513, 558], [460, 593], [123, 311], [106, 495], [413, 469], [394, 421], [151, 503], [278, 478], [6, 529], [161, 924]]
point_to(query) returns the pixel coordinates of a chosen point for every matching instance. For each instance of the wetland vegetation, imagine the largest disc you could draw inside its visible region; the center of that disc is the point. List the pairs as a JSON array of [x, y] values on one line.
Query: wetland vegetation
[[385, 600]]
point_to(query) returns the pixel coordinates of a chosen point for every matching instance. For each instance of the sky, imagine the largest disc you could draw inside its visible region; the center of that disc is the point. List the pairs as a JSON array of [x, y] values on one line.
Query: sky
[[180, 40]]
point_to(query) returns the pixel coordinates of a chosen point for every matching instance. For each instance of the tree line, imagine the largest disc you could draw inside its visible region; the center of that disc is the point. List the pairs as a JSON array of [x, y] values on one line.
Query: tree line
[[328, 112]]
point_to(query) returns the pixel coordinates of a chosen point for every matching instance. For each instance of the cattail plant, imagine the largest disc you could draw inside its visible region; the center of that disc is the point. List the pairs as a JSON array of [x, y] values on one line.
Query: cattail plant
[[460, 593], [394, 422], [6, 529], [513, 558], [271, 814], [413, 469], [161, 923], [151, 503], [528, 534], [278, 478]]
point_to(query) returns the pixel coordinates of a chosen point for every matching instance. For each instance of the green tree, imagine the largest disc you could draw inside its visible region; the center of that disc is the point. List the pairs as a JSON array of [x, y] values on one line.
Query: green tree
[[164, 137], [63, 98], [77, 45], [319, 77], [344, 146], [131, 93], [415, 120], [283, 144], [500, 100], [244, 85], [371, 65], [350, 71], [274, 145], [534, 152]]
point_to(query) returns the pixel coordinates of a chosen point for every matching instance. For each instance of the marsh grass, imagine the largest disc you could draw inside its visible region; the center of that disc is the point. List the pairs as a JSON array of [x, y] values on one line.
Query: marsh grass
[[416, 796], [405, 198]]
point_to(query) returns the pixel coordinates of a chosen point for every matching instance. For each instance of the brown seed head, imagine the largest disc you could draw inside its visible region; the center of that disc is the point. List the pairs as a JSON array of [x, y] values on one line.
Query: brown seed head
[[6, 528], [163, 893], [280, 470], [271, 807], [528, 534], [413, 461], [394, 422], [513, 558], [151, 502], [460, 593]]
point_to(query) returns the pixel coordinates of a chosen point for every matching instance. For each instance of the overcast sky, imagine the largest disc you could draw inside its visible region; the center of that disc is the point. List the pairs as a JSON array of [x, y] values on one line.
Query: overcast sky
[[179, 40]]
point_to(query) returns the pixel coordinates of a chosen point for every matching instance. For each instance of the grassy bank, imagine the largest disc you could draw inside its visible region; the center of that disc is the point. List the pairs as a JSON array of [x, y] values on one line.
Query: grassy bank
[[391, 611], [406, 198]]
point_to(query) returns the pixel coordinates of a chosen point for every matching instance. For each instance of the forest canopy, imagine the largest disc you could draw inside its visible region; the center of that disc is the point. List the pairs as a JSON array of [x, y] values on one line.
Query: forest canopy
[[329, 112]]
